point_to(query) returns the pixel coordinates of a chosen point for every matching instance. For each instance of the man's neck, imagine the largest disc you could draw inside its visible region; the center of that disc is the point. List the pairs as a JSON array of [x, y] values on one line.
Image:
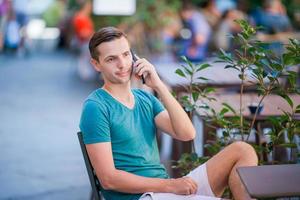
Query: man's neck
[[119, 91]]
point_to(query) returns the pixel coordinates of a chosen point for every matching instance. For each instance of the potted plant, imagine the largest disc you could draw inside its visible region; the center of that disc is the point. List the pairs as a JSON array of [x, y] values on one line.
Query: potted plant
[[266, 71]]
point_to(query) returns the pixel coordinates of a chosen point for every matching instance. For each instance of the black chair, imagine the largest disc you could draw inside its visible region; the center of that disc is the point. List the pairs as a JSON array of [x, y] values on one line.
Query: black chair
[[91, 172]]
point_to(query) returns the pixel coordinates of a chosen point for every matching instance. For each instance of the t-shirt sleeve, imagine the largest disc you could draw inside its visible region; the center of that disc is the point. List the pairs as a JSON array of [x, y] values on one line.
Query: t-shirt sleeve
[[157, 105], [94, 123]]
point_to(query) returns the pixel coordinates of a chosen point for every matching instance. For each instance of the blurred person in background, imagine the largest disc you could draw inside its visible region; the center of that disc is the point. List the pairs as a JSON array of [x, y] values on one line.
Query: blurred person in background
[[169, 33], [56, 15], [196, 33], [83, 24], [273, 17], [20, 8], [84, 29], [211, 12], [4, 6], [12, 36], [227, 27], [276, 25]]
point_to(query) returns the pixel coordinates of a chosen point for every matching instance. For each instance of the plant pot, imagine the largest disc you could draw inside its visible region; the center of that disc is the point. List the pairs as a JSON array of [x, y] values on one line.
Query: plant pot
[[252, 108]]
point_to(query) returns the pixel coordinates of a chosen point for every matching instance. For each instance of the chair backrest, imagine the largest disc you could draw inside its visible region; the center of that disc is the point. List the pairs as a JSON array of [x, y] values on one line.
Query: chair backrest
[[92, 175]]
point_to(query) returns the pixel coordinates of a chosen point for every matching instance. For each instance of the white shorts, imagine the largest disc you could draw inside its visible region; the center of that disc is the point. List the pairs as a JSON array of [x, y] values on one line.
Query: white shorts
[[204, 192]]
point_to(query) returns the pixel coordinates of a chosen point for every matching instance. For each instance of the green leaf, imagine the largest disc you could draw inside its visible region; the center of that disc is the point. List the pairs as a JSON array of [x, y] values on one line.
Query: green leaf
[[188, 71], [203, 78], [180, 72], [229, 107], [292, 73], [195, 95], [292, 80], [189, 108], [276, 66], [184, 98], [225, 56], [288, 59], [223, 111], [288, 99], [226, 134], [187, 61], [203, 66], [288, 145], [231, 66], [297, 109], [194, 156], [174, 94], [209, 90]]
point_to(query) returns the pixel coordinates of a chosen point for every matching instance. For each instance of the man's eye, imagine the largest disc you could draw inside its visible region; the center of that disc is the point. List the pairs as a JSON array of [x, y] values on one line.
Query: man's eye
[[110, 60]]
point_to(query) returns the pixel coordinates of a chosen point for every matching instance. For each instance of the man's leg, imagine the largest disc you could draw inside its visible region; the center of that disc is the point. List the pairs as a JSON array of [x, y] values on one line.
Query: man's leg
[[221, 169]]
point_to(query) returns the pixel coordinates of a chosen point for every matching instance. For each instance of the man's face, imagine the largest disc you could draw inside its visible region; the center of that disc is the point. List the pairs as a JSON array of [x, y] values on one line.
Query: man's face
[[114, 61]]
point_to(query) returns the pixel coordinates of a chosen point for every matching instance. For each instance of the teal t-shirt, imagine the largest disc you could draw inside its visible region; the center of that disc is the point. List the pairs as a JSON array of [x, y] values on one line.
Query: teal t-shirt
[[132, 133]]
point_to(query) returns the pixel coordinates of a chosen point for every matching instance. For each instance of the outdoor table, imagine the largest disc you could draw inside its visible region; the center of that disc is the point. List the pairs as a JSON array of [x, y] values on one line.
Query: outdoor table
[[271, 181], [272, 106]]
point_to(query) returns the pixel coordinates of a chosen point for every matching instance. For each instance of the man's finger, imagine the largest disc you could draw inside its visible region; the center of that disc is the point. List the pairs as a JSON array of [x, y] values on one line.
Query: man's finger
[[193, 184]]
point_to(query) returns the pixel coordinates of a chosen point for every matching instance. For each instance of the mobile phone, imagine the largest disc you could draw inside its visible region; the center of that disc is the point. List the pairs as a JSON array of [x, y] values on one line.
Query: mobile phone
[[134, 59]]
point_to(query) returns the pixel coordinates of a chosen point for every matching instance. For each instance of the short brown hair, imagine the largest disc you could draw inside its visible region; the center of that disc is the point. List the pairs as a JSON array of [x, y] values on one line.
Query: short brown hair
[[105, 34]]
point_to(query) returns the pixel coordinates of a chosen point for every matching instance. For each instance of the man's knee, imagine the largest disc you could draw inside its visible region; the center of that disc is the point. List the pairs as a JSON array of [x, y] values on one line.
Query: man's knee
[[245, 150]]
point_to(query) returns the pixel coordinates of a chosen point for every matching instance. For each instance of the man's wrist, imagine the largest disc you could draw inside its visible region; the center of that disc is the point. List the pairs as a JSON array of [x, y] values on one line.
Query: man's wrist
[[167, 185], [160, 88]]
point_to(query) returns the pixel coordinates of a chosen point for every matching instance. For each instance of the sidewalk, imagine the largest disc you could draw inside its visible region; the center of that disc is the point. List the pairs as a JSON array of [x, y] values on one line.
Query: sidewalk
[[40, 106]]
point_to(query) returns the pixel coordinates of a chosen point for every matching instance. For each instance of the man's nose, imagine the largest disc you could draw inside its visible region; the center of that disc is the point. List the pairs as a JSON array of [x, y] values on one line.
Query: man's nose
[[121, 63]]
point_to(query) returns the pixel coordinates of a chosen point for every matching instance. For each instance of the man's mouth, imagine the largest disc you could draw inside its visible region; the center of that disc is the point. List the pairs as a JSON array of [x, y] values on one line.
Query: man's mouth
[[123, 74]]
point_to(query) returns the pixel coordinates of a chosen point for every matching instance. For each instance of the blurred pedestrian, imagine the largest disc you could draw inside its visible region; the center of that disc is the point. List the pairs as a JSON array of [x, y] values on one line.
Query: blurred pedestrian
[[83, 24], [196, 34], [84, 29], [12, 37], [275, 25], [211, 12], [4, 6], [20, 8], [272, 17], [226, 27], [169, 33]]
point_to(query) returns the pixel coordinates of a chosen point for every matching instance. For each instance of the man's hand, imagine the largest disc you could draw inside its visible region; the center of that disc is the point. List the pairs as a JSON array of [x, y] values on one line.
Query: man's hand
[[145, 68], [182, 186]]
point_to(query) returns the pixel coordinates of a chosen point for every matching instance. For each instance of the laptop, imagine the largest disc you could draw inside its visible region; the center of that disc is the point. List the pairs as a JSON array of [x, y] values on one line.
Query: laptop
[[271, 180]]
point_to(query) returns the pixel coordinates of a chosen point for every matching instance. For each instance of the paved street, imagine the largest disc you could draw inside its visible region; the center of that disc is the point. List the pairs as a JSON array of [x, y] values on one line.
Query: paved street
[[40, 106]]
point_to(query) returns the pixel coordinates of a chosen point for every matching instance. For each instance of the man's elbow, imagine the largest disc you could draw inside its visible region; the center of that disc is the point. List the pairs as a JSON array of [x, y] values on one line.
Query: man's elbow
[[107, 184], [190, 134]]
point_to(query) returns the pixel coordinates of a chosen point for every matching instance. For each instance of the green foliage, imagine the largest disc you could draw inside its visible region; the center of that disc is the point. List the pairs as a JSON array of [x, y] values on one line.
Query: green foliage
[[196, 90], [265, 70], [187, 162]]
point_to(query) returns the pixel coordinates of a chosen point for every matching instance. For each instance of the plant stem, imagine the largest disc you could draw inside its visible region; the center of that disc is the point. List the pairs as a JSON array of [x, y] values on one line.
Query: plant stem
[[256, 112], [241, 104], [191, 113]]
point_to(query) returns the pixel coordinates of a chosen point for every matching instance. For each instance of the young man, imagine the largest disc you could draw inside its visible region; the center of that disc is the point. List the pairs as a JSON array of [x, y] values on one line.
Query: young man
[[119, 126]]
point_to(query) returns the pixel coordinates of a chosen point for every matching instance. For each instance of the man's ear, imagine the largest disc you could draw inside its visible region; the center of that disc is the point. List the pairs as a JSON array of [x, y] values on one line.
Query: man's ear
[[95, 64]]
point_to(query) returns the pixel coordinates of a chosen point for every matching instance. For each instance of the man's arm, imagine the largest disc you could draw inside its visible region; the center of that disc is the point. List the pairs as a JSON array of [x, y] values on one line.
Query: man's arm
[[175, 121], [111, 178]]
